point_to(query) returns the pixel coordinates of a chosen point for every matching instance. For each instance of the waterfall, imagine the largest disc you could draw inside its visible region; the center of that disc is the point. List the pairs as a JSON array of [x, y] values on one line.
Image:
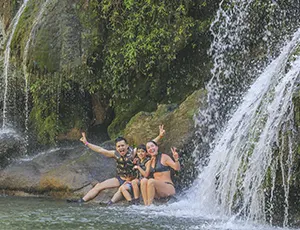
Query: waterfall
[[2, 35], [24, 64], [6, 63], [229, 52], [250, 134], [242, 47]]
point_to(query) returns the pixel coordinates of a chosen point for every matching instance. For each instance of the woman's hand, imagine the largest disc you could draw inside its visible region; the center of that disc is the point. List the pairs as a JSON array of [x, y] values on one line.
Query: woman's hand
[[161, 130], [175, 154]]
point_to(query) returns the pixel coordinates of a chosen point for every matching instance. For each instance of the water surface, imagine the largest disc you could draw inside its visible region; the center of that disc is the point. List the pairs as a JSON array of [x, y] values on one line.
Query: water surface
[[43, 213]]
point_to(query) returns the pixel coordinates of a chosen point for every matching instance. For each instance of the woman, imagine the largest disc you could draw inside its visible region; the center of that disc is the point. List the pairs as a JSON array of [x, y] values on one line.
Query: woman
[[161, 184]]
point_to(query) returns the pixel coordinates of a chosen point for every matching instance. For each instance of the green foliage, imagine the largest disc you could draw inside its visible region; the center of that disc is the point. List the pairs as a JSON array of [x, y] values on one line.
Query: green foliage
[[44, 110], [56, 108], [136, 53], [144, 37], [151, 46], [23, 29]]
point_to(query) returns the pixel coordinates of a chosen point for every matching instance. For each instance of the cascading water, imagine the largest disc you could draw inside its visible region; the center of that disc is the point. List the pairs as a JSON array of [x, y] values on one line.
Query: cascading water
[[243, 45], [230, 53], [2, 35], [6, 64], [234, 178], [247, 143], [25, 60], [250, 134]]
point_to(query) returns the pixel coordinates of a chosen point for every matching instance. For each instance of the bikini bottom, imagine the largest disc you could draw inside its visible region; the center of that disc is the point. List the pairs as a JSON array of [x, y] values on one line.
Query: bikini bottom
[[167, 182]]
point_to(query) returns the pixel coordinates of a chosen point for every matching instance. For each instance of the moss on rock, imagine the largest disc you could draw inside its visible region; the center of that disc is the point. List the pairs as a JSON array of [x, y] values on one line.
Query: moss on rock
[[178, 122]]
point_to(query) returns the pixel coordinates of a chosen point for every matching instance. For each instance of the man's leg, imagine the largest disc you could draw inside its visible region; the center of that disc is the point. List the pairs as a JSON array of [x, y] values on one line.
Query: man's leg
[[109, 183]]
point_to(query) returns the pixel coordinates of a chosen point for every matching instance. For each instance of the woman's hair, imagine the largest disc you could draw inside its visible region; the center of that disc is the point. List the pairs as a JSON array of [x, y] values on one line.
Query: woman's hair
[[142, 146], [120, 139], [153, 142]]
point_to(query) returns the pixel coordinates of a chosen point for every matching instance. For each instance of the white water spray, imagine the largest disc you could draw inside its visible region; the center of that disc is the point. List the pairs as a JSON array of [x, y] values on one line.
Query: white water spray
[[233, 182], [6, 61], [228, 30], [24, 63], [243, 141]]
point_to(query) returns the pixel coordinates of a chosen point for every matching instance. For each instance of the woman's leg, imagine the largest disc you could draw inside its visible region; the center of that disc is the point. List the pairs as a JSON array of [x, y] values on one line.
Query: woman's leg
[[157, 188], [150, 191], [144, 185], [164, 189], [135, 188], [110, 183]]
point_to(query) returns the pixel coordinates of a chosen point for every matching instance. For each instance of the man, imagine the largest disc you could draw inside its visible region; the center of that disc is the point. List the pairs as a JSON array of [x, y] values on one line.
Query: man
[[124, 156]]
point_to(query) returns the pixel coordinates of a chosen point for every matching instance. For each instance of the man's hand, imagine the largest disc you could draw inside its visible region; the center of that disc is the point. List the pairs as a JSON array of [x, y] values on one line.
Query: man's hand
[[83, 138]]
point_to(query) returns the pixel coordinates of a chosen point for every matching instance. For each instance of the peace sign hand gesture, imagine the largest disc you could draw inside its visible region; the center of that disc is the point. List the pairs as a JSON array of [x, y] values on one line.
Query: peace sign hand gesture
[[175, 154], [161, 130]]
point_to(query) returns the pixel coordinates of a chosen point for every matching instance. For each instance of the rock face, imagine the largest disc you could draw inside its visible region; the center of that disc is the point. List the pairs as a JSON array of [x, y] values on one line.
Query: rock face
[[6, 11], [69, 171], [177, 119], [50, 41], [179, 124], [12, 146], [80, 69], [63, 172]]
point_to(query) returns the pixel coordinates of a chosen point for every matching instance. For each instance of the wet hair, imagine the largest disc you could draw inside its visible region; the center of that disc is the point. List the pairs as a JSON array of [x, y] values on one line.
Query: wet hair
[[120, 139], [153, 142], [142, 146]]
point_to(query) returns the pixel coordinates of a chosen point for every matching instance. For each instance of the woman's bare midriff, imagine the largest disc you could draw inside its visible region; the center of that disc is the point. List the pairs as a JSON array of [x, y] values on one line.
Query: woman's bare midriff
[[163, 176]]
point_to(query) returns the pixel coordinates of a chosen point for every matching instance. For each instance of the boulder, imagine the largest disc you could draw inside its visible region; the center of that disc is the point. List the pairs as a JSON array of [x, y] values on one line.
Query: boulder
[[62, 172], [180, 129], [72, 171], [12, 146], [178, 121]]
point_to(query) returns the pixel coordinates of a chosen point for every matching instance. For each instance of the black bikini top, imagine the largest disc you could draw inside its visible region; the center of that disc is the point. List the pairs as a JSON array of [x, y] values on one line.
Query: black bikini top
[[159, 167]]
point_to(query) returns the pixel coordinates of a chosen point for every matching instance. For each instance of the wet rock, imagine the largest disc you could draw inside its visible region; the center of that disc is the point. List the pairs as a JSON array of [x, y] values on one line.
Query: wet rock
[[6, 12], [12, 146], [61, 172], [178, 122]]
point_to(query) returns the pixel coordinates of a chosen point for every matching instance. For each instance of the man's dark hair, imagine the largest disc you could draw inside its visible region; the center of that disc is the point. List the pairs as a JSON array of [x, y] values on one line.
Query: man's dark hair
[[120, 139]]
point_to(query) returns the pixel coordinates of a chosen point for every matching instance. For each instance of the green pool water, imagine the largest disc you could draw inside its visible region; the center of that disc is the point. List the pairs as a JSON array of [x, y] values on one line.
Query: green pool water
[[42, 213]]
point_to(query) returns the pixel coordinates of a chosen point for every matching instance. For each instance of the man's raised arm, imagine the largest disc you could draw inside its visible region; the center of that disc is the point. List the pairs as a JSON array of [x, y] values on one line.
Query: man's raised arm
[[96, 148]]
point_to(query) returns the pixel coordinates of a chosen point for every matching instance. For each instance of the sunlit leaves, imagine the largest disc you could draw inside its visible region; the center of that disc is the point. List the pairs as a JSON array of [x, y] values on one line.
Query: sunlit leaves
[[143, 37]]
